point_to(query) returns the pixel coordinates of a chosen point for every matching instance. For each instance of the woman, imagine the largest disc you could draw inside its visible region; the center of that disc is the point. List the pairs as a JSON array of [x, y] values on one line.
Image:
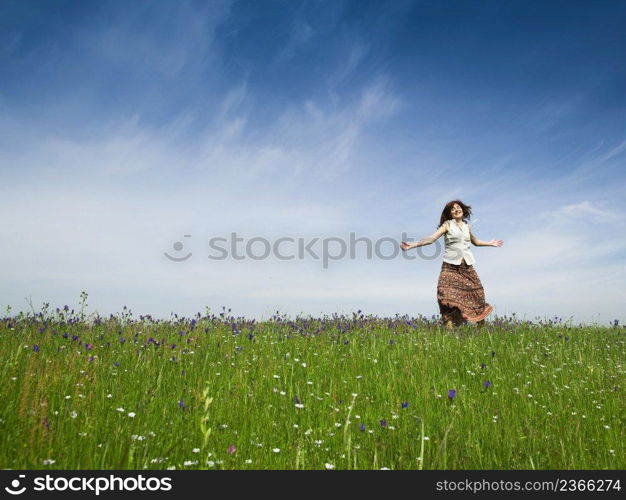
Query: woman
[[460, 293]]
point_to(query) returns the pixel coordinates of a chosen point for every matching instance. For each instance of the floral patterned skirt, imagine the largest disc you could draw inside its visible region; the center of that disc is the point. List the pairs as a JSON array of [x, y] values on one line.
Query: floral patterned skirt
[[460, 294]]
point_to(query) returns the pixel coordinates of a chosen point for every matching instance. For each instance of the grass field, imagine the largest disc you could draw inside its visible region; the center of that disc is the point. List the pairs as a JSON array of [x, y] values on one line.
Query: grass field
[[359, 392]]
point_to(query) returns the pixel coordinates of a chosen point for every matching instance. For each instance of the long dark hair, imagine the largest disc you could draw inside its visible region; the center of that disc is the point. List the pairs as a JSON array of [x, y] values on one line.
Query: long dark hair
[[446, 215]]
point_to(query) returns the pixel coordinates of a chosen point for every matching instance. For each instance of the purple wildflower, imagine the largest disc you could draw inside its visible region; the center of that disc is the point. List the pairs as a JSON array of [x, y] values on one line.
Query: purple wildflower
[[383, 423], [116, 364], [36, 348], [451, 394], [181, 404], [90, 359], [405, 404], [122, 340], [65, 335], [88, 347], [232, 449], [296, 400], [487, 384], [74, 337], [362, 427]]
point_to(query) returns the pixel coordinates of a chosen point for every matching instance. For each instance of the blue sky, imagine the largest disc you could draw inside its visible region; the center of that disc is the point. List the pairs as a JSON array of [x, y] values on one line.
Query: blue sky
[[126, 125]]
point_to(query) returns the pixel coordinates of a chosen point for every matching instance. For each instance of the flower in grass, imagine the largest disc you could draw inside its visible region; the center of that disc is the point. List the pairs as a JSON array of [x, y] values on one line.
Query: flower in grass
[[383, 423], [132, 414], [196, 450], [36, 348], [405, 404], [299, 405], [73, 414], [329, 466], [187, 463], [48, 461], [120, 409], [74, 337], [90, 359], [88, 347], [122, 340], [362, 427], [232, 449], [451, 394], [487, 384], [276, 450], [181, 404]]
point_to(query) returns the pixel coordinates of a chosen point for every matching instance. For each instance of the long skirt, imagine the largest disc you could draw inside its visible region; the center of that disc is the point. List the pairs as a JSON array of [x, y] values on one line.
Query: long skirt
[[460, 294]]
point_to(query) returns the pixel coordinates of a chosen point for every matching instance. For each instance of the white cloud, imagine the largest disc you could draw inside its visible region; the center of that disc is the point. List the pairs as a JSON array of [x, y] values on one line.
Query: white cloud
[[585, 210]]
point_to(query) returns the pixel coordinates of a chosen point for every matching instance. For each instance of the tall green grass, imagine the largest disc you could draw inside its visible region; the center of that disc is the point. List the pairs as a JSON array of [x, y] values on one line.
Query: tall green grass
[[344, 393]]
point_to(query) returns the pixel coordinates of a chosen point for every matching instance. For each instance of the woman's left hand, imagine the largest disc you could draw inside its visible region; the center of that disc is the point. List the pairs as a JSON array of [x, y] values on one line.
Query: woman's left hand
[[496, 243]]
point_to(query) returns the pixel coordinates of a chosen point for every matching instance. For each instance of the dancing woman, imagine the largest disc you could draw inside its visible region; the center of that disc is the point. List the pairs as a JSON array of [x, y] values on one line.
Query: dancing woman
[[460, 293]]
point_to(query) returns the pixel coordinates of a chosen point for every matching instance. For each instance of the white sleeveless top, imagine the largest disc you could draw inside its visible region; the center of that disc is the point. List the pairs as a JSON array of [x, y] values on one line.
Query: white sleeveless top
[[458, 244]]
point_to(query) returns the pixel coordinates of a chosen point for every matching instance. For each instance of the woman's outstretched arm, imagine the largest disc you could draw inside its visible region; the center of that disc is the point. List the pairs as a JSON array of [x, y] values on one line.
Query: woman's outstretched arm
[[425, 241], [480, 243]]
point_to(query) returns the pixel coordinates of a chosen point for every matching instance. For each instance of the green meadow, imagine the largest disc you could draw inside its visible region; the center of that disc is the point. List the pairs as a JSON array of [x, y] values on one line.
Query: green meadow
[[338, 392]]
